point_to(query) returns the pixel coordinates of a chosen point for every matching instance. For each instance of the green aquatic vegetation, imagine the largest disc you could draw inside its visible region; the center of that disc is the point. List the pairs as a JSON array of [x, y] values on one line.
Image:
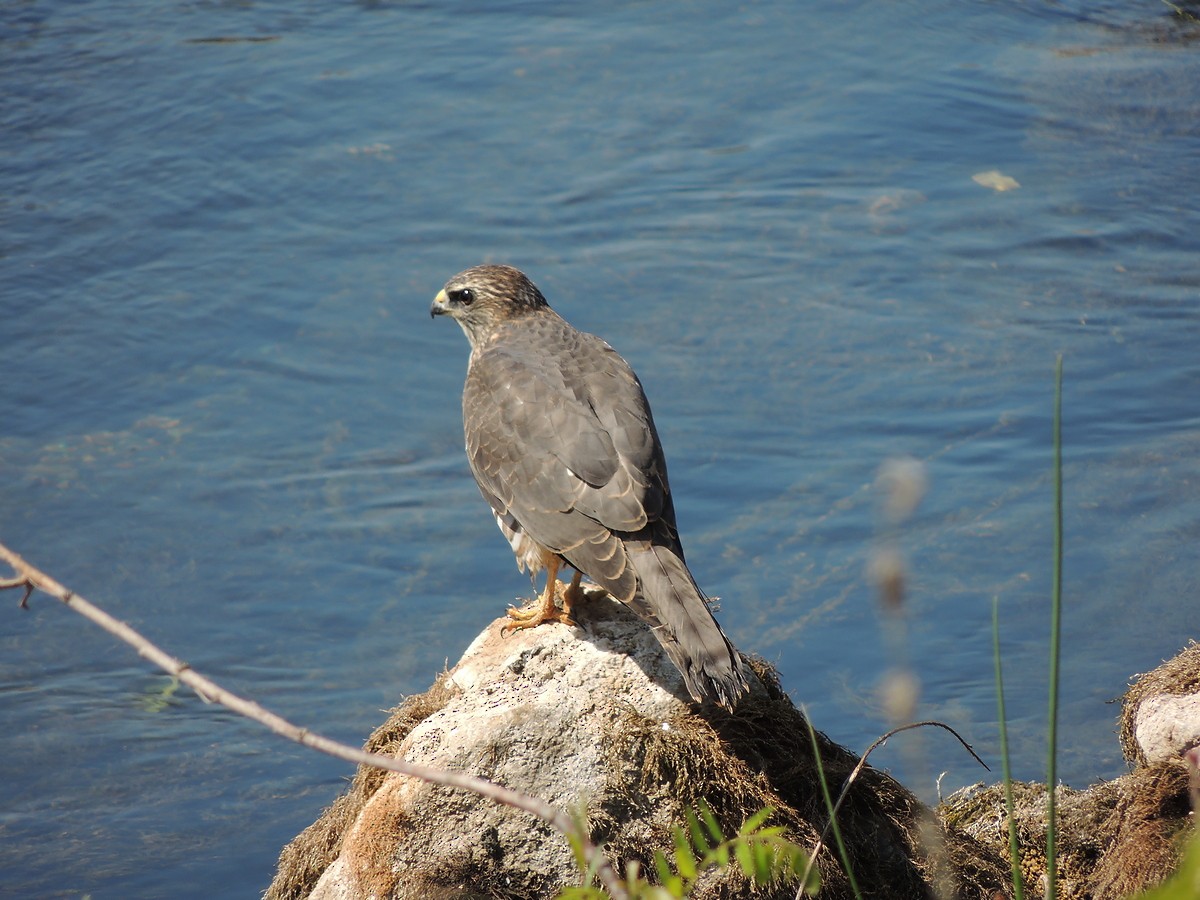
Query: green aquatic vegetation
[[157, 701]]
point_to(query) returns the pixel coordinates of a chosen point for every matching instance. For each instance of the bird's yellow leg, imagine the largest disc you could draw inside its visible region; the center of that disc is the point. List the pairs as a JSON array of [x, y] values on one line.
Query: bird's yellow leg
[[545, 611], [573, 594]]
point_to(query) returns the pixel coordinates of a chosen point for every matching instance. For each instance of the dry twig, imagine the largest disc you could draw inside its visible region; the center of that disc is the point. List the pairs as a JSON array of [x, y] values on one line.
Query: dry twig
[[32, 579]]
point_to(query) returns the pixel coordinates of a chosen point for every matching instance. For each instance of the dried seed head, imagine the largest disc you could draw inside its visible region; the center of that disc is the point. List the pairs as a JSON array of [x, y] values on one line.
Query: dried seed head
[[903, 482], [899, 692], [886, 569]]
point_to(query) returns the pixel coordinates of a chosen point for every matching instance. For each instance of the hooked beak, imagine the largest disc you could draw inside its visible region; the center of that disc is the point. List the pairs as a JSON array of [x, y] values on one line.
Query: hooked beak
[[440, 305]]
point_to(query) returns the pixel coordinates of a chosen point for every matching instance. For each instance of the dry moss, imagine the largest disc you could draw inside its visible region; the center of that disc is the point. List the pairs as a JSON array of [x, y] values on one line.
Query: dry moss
[[310, 853], [1148, 821], [1115, 839], [761, 756]]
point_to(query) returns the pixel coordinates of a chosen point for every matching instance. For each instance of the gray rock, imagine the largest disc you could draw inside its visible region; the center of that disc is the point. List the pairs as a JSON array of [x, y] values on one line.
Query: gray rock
[[531, 711], [1160, 717], [596, 721], [1167, 726]]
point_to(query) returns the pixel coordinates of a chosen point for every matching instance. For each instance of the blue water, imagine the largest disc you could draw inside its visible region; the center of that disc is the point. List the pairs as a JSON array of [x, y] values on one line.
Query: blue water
[[226, 417]]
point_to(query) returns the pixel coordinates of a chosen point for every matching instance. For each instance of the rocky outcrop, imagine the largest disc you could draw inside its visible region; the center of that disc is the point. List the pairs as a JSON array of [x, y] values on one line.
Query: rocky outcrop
[[1119, 837], [595, 719]]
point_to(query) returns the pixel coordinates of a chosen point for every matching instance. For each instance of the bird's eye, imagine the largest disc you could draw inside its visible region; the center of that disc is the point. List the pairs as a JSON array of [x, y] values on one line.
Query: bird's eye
[[465, 296]]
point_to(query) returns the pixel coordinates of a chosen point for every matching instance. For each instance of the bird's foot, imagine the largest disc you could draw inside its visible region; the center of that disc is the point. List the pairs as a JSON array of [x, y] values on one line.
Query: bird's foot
[[544, 611], [572, 594]]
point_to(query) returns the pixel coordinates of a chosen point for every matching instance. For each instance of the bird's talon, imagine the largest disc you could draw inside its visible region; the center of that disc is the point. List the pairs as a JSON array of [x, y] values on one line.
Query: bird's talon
[[544, 611]]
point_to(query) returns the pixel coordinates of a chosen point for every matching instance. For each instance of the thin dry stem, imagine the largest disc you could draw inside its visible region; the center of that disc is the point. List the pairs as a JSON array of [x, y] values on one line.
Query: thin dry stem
[[862, 761], [32, 578]]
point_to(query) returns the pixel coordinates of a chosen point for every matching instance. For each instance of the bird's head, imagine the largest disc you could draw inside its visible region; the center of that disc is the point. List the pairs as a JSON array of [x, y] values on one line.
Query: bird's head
[[483, 297]]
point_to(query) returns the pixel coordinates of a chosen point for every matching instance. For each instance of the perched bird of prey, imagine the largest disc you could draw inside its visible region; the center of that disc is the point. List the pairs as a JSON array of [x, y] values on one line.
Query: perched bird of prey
[[563, 447]]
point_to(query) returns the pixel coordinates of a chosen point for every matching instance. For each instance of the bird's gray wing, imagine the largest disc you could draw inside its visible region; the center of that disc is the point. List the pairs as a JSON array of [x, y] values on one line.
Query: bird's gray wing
[[626, 485], [667, 596], [560, 439]]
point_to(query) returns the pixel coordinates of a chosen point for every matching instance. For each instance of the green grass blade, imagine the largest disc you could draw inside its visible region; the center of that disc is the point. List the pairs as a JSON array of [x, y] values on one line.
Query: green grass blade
[[685, 857], [1055, 632], [843, 854], [1014, 852], [756, 821], [710, 822], [745, 857], [699, 841], [765, 860], [662, 868]]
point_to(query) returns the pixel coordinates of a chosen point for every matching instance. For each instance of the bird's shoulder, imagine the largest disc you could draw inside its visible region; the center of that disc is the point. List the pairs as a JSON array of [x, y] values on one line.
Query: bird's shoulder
[[554, 412], [548, 349], [569, 391]]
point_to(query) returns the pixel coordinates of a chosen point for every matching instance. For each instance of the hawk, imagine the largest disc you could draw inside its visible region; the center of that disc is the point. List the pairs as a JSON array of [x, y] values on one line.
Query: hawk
[[563, 447]]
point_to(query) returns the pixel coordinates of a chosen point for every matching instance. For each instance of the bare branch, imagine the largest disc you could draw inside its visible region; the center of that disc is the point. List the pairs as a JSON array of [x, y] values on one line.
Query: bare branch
[[31, 578], [6, 583]]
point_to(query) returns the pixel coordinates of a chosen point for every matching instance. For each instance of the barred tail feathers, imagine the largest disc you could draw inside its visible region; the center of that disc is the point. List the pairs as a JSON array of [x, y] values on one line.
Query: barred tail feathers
[[681, 620]]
